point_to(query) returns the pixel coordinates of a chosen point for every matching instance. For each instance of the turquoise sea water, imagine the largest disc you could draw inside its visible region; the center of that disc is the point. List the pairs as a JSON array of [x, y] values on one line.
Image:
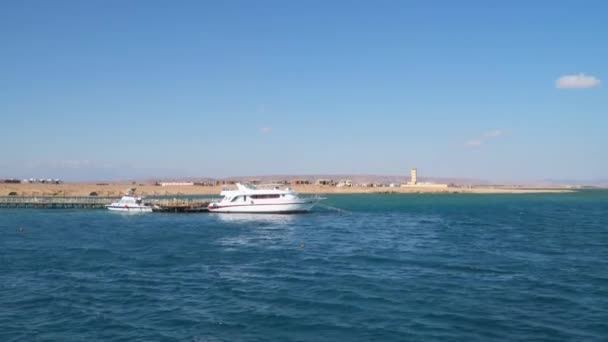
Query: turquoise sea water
[[396, 268]]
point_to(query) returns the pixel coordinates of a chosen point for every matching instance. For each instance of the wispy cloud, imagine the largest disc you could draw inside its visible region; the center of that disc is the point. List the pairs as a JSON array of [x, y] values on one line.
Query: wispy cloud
[[495, 133], [69, 164], [578, 81], [485, 136], [266, 130], [473, 143]]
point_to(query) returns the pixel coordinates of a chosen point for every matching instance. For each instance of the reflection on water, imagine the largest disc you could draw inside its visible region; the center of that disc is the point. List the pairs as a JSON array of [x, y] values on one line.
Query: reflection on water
[[265, 231], [272, 219], [127, 212]]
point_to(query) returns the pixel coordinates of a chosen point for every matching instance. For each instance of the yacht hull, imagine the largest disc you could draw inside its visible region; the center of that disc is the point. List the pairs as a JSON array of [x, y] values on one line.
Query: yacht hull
[[274, 208], [130, 209]]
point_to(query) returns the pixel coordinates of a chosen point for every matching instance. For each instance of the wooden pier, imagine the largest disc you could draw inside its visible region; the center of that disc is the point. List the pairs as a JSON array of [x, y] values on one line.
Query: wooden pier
[[175, 205], [56, 202], [178, 205]]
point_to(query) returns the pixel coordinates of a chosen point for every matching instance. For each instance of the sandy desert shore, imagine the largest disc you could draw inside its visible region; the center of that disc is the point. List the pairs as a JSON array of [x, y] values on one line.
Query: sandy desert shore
[[112, 190]]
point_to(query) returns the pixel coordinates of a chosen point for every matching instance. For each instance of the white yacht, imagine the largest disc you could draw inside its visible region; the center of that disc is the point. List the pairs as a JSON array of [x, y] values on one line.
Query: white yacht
[[249, 199], [130, 203]]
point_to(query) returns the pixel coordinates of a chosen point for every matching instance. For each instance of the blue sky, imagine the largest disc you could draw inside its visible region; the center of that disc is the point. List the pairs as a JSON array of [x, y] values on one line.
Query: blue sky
[[123, 89]]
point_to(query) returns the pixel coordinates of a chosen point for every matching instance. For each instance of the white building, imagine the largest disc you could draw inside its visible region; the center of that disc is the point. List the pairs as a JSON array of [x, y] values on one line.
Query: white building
[[175, 183], [345, 183]]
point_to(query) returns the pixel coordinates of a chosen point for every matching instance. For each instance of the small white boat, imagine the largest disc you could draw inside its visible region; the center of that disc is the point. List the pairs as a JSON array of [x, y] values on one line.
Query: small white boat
[[130, 203], [249, 199]]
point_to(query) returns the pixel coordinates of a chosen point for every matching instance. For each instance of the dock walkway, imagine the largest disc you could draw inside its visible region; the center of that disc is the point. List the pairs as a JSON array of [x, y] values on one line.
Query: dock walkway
[[175, 205]]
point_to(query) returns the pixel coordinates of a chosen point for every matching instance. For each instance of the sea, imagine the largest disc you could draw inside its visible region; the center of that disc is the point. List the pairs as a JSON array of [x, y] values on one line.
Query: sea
[[394, 267]]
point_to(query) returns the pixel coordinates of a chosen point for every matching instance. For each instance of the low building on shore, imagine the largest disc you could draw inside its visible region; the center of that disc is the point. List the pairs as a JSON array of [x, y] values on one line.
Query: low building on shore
[[208, 183], [175, 183], [345, 183], [424, 185], [322, 181], [35, 181]]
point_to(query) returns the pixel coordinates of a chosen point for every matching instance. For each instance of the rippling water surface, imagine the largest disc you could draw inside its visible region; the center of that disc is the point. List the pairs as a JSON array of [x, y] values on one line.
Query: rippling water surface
[[396, 267]]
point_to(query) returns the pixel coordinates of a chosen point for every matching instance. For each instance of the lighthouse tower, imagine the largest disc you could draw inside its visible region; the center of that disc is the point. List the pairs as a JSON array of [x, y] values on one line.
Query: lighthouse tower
[[413, 176]]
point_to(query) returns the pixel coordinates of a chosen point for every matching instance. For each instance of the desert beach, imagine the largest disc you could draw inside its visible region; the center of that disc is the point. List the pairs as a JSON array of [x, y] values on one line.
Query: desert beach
[[147, 189]]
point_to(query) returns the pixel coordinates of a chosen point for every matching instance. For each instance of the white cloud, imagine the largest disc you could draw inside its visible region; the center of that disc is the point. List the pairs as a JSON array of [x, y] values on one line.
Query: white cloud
[[266, 130], [473, 143], [578, 81], [495, 133], [487, 135]]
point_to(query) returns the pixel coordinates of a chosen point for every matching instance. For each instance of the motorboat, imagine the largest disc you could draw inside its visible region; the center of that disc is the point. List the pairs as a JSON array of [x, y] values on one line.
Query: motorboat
[[130, 203], [251, 199]]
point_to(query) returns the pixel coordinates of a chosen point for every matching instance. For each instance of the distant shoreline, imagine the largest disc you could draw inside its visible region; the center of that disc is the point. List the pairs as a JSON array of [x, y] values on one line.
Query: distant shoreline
[[114, 190]]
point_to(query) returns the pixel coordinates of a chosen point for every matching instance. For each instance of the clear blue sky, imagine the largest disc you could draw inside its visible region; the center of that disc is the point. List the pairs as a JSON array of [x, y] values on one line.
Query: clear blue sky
[[106, 89]]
